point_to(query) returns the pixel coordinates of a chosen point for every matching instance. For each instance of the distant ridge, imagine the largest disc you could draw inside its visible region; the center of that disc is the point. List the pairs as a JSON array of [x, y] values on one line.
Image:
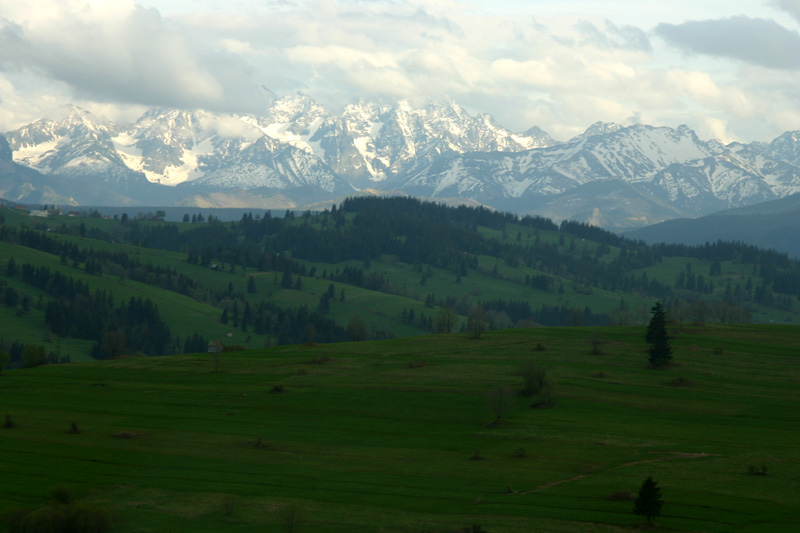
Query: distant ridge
[[774, 224]]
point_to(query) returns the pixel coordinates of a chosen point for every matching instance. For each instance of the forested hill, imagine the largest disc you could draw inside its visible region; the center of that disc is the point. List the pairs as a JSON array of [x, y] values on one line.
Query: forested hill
[[367, 268]]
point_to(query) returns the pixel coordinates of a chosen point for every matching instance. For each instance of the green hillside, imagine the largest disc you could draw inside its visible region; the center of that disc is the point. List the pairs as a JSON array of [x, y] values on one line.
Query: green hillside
[[395, 436], [367, 269]]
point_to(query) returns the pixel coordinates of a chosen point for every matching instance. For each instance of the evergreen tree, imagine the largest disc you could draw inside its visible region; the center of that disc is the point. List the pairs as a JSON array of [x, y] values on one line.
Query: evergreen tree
[[660, 352], [649, 502]]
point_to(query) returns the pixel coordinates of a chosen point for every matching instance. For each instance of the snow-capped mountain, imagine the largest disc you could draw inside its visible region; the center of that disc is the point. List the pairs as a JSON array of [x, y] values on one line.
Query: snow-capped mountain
[[297, 153], [296, 144], [669, 166]]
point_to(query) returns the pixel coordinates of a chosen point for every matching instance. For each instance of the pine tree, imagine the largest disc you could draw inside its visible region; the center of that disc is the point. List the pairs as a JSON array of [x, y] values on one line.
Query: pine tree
[[649, 502], [660, 352]]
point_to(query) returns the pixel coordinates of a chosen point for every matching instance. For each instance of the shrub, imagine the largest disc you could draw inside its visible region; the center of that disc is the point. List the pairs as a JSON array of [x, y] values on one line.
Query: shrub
[[682, 382], [47, 518], [228, 504], [499, 401], [277, 389], [537, 384], [624, 496], [290, 516], [757, 471], [62, 494], [233, 348], [73, 428], [84, 518], [520, 453], [9, 423]]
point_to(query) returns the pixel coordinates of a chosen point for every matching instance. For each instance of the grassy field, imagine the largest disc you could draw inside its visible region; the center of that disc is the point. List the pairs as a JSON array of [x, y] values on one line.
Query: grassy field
[[391, 436]]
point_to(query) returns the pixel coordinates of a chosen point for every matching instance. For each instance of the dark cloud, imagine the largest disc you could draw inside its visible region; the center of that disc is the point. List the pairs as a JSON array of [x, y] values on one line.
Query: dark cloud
[[752, 40], [790, 6]]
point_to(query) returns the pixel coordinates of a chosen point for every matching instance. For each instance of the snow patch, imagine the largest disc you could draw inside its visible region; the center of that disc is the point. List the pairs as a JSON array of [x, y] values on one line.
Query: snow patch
[[34, 155]]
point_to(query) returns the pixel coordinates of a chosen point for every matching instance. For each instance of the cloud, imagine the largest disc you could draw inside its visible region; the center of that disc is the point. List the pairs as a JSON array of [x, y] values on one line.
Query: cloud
[[790, 6], [752, 40], [132, 56], [524, 66], [612, 36]]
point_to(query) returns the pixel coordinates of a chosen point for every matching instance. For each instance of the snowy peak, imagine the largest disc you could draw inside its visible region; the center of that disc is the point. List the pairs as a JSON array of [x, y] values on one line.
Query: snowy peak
[[294, 108], [599, 128], [787, 147], [298, 149], [664, 164]]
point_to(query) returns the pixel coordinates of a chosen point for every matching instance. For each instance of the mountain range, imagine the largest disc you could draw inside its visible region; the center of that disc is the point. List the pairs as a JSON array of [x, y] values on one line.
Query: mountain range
[[298, 154]]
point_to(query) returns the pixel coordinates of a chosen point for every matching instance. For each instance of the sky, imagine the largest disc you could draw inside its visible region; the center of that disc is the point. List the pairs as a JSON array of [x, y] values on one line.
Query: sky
[[729, 69]]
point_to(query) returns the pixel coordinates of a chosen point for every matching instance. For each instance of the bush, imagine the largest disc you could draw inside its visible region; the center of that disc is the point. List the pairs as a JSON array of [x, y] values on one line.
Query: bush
[[123, 434], [228, 504], [537, 384], [624, 496], [58, 518], [84, 518], [757, 471], [682, 382], [9, 423], [47, 518], [62, 494], [290, 516], [499, 401], [233, 348]]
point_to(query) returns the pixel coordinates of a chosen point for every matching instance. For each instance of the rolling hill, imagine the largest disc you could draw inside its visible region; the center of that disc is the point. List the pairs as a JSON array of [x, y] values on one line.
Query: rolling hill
[[370, 268]]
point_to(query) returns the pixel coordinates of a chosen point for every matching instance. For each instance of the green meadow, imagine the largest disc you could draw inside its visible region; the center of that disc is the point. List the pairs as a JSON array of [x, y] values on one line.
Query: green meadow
[[398, 435]]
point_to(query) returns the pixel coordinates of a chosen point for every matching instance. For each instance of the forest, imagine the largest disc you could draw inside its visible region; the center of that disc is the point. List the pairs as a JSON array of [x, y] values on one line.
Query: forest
[[432, 259]]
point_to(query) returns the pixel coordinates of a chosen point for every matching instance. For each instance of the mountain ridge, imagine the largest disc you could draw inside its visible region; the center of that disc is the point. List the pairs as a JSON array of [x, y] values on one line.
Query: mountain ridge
[[296, 151]]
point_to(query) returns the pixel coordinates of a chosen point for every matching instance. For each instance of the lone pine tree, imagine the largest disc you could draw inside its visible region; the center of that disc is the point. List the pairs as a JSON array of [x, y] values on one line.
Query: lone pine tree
[[649, 502], [660, 352]]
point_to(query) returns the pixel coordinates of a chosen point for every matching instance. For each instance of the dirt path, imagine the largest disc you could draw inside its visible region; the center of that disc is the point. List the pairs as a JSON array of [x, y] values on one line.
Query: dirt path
[[673, 455]]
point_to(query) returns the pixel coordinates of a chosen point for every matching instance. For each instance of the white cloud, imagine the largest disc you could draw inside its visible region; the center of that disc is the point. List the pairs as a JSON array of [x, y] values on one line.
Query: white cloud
[[558, 66], [121, 55]]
